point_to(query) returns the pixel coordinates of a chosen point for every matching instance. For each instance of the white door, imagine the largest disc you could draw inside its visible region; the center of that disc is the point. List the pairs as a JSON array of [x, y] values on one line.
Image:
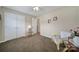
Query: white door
[[20, 24], [10, 26], [34, 25]]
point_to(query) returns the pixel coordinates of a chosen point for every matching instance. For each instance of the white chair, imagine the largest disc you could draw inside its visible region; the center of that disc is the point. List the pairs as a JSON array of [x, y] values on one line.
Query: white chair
[[58, 37]]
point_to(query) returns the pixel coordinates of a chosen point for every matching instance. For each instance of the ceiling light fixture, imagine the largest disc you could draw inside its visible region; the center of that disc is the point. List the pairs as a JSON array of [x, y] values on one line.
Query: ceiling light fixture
[[36, 8]]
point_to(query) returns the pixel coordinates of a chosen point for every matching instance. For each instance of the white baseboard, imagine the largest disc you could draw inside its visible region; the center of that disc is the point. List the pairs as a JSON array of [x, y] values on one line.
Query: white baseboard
[[11, 39], [3, 41]]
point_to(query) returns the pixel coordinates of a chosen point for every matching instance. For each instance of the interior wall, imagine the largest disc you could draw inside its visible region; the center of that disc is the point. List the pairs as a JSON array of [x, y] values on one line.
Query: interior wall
[[28, 23], [38, 25], [77, 16], [0, 27], [67, 18]]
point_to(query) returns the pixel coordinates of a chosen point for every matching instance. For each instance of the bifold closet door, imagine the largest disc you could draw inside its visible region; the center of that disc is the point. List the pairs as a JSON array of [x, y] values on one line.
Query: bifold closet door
[[10, 26], [20, 26]]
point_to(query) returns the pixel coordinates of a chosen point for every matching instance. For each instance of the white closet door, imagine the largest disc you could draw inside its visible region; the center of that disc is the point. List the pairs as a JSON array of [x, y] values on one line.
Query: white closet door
[[34, 25], [20, 26], [10, 26]]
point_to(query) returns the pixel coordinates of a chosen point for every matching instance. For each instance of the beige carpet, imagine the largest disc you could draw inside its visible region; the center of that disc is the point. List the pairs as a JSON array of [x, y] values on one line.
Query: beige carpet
[[35, 43]]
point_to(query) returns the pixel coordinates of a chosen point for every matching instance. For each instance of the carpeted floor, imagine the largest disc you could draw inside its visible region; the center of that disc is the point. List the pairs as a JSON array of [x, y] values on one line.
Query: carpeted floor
[[35, 43]]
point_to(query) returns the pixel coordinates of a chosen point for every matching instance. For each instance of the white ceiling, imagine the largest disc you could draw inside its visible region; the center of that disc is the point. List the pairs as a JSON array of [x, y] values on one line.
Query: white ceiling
[[29, 9]]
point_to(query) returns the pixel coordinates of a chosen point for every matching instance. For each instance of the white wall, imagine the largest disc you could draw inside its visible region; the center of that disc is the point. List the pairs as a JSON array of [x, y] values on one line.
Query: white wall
[[68, 18], [0, 25], [28, 22], [0, 30], [77, 16]]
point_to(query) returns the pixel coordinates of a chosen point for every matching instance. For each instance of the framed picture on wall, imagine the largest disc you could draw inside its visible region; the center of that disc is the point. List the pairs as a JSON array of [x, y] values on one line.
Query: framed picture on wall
[[55, 18], [49, 20]]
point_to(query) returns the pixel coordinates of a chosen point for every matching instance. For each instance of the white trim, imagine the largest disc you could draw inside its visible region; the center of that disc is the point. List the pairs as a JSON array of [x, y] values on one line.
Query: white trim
[[3, 41], [11, 39]]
